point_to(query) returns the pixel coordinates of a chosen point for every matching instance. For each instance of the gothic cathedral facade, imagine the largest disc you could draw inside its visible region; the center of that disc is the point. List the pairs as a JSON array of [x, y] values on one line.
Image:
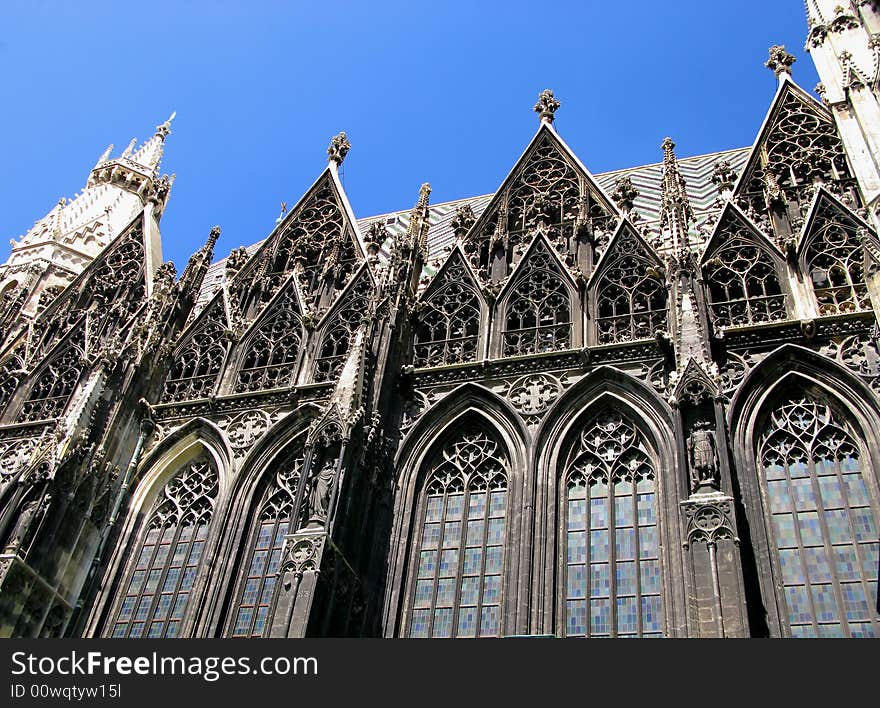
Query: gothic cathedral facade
[[643, 403]]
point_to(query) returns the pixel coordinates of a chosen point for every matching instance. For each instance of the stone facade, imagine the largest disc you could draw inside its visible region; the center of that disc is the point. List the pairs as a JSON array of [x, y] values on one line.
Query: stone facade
[[636, 404]]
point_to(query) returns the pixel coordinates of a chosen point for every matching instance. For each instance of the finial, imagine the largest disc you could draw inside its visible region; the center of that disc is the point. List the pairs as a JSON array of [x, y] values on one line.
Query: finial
[[668, 146], [424, 193], [339, 147], [165, 128], [723, 177], [624, 194], [128, 150], [546, 106], [212, 238], [780, 61]]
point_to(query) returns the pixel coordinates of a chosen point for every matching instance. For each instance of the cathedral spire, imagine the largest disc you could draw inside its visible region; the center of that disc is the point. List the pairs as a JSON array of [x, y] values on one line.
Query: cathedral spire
[[675, 208], [150, 153], [197, 267]]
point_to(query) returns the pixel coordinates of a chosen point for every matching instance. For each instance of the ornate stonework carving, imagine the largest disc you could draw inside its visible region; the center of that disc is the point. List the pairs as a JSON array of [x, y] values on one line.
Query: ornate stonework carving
[[534, 394]]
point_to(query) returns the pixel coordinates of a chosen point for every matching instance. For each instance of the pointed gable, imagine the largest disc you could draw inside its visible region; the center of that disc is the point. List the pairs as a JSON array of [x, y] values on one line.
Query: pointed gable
[[629, 289], [832, 254], [550, 192], [797, 141], [744, 273], [447, 329]]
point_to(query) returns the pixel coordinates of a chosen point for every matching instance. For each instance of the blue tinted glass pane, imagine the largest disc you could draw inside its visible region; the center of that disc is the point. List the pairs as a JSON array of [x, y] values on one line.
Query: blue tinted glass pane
[[855, 604], [496, 531], [775, 471], [846, 562], [652, 614], [626, 578], [424, 590], [600, 580], [420, 621], [577, 491], [798, 469], [475, 532], [832, 495], [802, 491], [127, 608], [427, 564], [798, 602], [838, 526], [856, 491], [577, 547], [825, 603], [454, 507], [473, 557], [862, 630], [467, 622], [494, 556], [818, 568], [646, 509], [490, 621], [470, 591], [497, 503], [650, 580], [623, 510], [442, 623], [625, 543], [870, 553], [785, 534], [598, 489], [431, 536], [576, 621], [576, 582], [448, 563], [648, 541], [849, 464], [811, 531], [577, 513], [600, 617], [831, 631], [434, 508], [451, 533], [264, 538], [492, 589], [790, 563], [803, 631], [627, 615], [825, 467], [598, 546], [779, 497], [863, 524], [598, 513], [445, 592], [645, 486], [477, 505]]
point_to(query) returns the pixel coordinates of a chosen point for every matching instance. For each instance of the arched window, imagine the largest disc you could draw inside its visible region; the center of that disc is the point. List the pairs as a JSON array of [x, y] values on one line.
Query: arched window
[[743, 285], [270, 358], [538, 314], [835, 262], [266, 543], [10, 377], [631, 294], [823, 526], [448, 329], [458, 553], [339, 336], [611, 572], [54, 384], [197, 366], [167, 558]]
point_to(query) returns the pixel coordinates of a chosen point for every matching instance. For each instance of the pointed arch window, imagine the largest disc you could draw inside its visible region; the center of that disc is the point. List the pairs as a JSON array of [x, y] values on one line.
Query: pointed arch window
[[263, 557], [538, 316], [611, 570], [339, 336], [744, 286], [630, 296], [168, 556], [823, 525], [458, 554], [835, 262], [270, 357], [196, 367], [10, 378], [448, 329], [55, 383]]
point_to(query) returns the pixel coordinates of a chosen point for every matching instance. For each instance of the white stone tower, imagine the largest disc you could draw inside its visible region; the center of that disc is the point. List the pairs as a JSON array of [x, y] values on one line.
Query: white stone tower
[[61, 244], [844, 42]]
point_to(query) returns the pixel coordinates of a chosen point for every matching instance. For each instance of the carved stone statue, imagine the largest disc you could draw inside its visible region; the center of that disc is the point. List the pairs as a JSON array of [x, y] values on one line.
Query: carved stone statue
[[703, 457], [319, 496]]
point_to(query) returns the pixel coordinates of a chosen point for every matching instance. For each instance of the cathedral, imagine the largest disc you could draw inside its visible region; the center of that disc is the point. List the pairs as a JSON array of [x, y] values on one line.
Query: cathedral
[[644, 403]]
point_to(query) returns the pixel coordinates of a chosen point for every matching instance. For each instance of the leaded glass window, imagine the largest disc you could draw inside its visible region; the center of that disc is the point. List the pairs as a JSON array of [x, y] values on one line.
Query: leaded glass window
[[612, 572], [167, 558], [271, 351], [264, 553], [823, 525], [449, 325], [631, 294], [538, 314], [459, 550]]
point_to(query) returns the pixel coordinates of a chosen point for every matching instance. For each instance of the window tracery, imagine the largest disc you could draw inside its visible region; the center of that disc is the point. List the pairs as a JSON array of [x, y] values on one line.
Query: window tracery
[[744, 285], [271, 352], [338, 337], [822, 523], [631, 294], [162, 573], [538, 315], [459, 543], [448, 328], [263, 558], [10, 377], [197, 365], [55, 383], [611, 573]]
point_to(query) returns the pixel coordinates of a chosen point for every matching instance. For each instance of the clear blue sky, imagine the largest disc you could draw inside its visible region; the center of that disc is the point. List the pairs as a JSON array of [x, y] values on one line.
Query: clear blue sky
[[426, 91]]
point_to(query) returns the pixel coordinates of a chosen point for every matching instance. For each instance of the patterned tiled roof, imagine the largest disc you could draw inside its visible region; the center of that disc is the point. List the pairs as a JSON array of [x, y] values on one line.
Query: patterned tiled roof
[[647, 179]]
